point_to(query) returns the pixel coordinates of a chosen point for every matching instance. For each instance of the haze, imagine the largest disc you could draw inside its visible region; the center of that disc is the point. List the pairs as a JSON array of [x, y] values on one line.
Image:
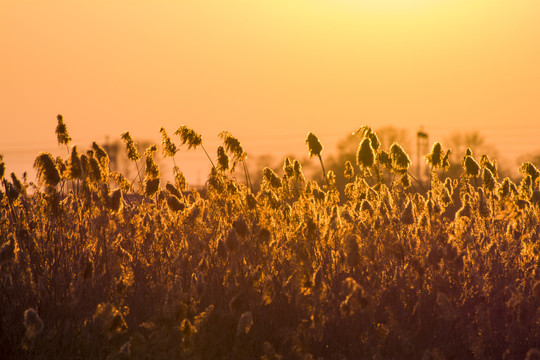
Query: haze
[[268, 71]]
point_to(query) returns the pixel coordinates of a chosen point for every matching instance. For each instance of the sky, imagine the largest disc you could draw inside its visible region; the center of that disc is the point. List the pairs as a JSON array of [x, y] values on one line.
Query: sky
[[267, 71]]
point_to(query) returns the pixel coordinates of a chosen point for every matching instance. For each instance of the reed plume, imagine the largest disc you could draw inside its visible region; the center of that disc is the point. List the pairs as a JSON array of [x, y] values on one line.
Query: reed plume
[[315, 148], [47, 169], [365, 156], [168, 147], [61, 131]]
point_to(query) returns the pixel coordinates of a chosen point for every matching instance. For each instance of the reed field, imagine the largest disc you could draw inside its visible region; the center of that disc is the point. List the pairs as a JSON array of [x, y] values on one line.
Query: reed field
[[96, 265]]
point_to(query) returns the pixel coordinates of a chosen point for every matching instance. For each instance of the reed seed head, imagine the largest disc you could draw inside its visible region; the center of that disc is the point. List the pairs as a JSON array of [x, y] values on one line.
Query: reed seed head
[[400, 159], [131, 147], [179, 180], [222, 159], [384, 159], [288, 167], [168, 147], [174, 191], [151, 167], [446, 159], [47, 169], [74, 166], [365, 156], [174, 203], [94, 170], [405, 181], [314, 145], [61, 131], [491, 165], [488, 180], [189, 137], [349, 170], [2, 167], [270, 178], [32, 323], [528, 168], [232, 145], [435, 157], [151, 186], [298, 174], [471, 166]]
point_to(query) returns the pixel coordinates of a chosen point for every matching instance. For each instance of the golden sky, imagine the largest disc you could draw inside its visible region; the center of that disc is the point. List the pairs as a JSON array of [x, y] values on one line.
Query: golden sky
[[268, 71]]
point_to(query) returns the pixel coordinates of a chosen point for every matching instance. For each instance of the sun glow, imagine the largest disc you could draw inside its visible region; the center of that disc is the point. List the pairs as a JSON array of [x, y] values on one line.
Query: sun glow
[[392, 5], [298, 65]]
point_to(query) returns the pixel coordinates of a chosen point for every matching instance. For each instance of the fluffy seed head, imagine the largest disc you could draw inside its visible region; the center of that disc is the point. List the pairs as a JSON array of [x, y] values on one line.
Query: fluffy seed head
[[2, 166], [179, 179], [174, 191], [189, 137], [298, 174], [368, 133], [131, 147], [483, 208], [101, 155], [491, 165], [488, 180], [349, 170], [405, 181], [314, 145], [384, 159], [32, 323], [74, 166], [288, 167], [471, 166], [365, 156], [151, 167], [61, 131], [446, 159], [151, 186], [168, 147], [270, 178], [94, 170], [400, 159], [222, 159], [434, 158], [528, 168], [174, 203], [232, 145], [47, 169]]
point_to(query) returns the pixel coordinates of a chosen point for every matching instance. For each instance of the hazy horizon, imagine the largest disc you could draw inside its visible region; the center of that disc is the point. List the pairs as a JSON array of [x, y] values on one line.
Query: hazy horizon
[[268, 72]]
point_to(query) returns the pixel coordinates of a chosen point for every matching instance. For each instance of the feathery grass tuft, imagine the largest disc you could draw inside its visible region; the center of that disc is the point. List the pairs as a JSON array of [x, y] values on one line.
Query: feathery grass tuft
[[61, 132], [47, 169]]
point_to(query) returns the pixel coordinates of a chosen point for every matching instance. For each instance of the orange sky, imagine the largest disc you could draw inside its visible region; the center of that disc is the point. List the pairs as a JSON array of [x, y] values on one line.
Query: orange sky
[[268, 71]]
